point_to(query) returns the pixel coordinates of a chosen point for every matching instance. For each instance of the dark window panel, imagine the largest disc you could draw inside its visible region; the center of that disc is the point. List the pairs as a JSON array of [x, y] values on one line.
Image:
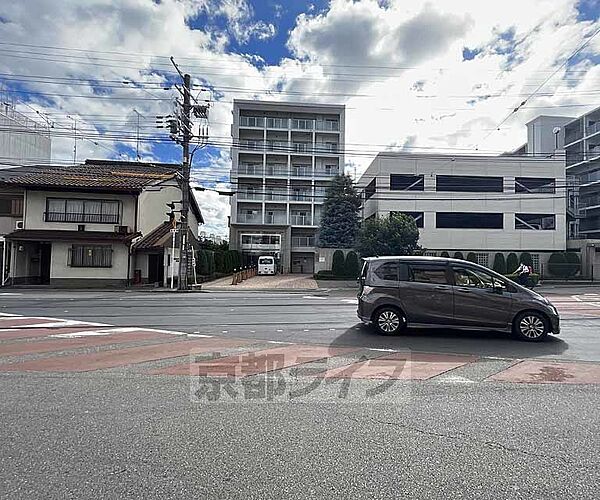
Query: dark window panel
[[469, 220], [428, 273], [539, 222], [371, 189], [402, 182], [469, 184], [535, 185]]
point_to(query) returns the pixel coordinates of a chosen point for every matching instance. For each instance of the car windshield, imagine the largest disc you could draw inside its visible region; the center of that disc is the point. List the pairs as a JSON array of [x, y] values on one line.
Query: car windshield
[[265, 261]]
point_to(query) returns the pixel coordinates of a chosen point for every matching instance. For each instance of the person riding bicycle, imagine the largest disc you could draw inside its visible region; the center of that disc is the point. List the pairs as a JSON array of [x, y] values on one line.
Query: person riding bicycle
[[523, 274]]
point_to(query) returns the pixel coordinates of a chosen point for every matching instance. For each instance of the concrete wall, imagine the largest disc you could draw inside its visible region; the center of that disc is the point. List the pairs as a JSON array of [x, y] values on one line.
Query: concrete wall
[[35, 207], [508, 202], [324, 258]]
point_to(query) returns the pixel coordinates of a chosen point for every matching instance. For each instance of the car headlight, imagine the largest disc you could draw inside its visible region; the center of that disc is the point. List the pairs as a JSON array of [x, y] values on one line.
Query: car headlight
[[366, 290]]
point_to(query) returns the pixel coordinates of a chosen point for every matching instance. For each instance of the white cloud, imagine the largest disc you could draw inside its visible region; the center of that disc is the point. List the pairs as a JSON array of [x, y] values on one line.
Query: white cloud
[[240, 14]]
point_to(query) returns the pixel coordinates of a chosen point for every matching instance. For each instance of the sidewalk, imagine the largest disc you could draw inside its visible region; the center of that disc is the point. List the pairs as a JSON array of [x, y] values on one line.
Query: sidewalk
[[277, 282]]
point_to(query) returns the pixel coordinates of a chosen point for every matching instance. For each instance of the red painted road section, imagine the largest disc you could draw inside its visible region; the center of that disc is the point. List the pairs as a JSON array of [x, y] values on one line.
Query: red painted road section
[[253, 363], [401, 366], [547, 372], [11, 322], [52, 345], [26, 333], [121, 357]]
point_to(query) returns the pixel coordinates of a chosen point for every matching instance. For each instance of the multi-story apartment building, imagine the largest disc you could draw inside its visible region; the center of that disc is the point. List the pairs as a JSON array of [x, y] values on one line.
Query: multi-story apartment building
[[283, 158], [473, 203], [582, 148]]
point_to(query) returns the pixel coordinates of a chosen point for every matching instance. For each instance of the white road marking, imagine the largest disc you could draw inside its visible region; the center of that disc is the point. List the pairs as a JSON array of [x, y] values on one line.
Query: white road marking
[[276, 342], [314, 297], [199, 335], [9, 294], [350, 301], [9, 315], [381, 350]]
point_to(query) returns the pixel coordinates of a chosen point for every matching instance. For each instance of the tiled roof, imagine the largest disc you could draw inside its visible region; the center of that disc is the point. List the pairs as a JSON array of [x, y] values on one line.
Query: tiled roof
[[54, 235], [155, 238], [101, 175]]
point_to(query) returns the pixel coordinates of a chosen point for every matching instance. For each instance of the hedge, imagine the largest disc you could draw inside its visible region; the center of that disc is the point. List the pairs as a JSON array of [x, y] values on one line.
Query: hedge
[[352, 265], [459, 255], [499, 263], [526, 259], [564, 264], [471, 257], [338, 266], [445, 254], [512, 263]]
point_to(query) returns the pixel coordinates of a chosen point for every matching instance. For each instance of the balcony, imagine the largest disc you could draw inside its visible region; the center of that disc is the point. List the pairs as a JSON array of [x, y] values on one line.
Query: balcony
[[327, 126], [303, 124], [252, 144], [326, 172], [278, 123], [303, 195], [276, 218], [320, 194], [593, 128], [300, 220], [254, 169], [302, 147], [243, 218], [278, 146], [327, 147], [301, 170], [303, 241], [249, 194], [252, 121], [276, 170], [276, 195]]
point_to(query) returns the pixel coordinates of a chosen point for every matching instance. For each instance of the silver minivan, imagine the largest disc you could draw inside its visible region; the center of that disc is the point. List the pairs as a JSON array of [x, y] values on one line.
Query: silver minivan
[[434, 292]]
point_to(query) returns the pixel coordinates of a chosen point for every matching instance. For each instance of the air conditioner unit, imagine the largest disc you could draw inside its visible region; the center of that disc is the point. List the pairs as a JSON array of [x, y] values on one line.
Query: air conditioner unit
[[122, 229], [20, 224]]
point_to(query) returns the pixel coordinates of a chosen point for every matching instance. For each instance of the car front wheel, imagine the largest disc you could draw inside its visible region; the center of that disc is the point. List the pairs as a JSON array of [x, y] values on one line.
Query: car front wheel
[[531, 326], [389, 321]]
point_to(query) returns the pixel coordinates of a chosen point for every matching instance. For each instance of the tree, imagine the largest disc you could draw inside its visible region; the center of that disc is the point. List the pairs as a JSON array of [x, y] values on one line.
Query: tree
[[526, 259], [459, 255], [337, 267], [512, 263], [220, 262], [202, 263], [557, 264], [471, 257], [499, 263], [340, 220], [573, 263], [445, 254], [352, 265], [396, 234]]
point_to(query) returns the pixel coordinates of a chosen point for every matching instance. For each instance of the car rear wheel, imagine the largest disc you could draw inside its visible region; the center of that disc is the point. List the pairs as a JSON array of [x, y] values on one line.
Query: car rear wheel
[[531, 326], [389, 321]]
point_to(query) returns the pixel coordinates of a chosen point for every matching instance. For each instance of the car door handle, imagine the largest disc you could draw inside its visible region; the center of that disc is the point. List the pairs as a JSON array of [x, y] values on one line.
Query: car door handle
[[464, 290], [441, 287]]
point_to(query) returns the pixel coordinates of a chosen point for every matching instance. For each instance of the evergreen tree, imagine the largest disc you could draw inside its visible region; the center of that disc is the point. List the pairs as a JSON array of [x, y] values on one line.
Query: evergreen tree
[[340, 220], [499, 263], [393, 235], [512, 263], [338, 265], [352, 265]]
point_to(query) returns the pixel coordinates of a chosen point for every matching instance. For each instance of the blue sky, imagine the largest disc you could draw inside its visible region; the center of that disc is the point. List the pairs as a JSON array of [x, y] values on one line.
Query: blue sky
[[428, 75]]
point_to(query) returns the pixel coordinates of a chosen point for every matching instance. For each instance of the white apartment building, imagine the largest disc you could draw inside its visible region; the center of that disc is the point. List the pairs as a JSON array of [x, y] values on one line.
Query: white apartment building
[[283, 158], [472, 203]]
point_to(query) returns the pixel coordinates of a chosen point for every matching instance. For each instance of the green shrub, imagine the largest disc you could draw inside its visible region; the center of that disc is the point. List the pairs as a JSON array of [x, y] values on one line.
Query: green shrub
[[471, 257], [574, 263], [512, 263], [220, 262], [202, 265], [557, 265], [352, 265], [445, 254], [459, 255], [499, 263], [338, 266]]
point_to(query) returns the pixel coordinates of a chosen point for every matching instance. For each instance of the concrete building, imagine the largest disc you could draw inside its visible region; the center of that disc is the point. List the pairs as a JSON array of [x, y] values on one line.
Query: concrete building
[[22, 139], [98, 224], [283, 159], [473, 203]]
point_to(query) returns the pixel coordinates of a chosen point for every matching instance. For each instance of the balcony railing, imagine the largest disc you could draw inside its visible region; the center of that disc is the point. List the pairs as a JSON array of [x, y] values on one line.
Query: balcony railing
[[301, 196], [81, 218], [326, 172], [593, 128], [250, 169], [252, 121], [327, 126], [303, 124], [276, 195], [252, 144], [301, 171], [280, 218], [326, 147], [278, 146], [278, 123], [303, 241], [300, 220], [277, 170], [301, 147], [249, 218], [245, 194]]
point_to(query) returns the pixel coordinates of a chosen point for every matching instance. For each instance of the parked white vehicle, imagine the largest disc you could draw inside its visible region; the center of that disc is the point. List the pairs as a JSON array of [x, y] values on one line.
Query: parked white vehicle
[[266, 265]]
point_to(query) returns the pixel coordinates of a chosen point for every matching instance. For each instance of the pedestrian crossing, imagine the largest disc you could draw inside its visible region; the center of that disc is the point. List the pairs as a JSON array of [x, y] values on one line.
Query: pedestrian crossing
[[55, 345]]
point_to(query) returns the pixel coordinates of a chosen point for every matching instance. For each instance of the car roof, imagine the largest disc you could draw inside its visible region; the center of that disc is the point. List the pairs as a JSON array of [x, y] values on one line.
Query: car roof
[[420, 258]]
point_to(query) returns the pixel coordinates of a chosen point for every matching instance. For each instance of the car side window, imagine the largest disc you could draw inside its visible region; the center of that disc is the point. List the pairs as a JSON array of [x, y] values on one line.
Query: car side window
[[474, 278], [388, 271], [428, 273]]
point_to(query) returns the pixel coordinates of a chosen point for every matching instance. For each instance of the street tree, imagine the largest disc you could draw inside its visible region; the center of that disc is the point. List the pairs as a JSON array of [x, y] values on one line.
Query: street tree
[[396, 234], [340, 220]]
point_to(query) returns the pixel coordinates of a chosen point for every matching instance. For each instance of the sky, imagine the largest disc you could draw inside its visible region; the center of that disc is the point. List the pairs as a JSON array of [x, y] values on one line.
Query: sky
[[418, 76]]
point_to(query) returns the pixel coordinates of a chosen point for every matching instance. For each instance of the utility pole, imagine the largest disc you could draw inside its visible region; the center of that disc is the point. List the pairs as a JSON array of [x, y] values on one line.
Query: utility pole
[[137, 144], [182, 282]]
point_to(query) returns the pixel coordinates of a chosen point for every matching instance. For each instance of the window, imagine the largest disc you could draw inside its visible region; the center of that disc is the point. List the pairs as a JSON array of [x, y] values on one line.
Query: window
[[483, 259], [90, 256], [418, 216], [535, 185], [474, 278], [402, 182], [260, 239], [469, 184], [80, 210], [371, 189], [387, 271], [536, 222], [469, 220], [535, 258], [428, 273], [12, 207]]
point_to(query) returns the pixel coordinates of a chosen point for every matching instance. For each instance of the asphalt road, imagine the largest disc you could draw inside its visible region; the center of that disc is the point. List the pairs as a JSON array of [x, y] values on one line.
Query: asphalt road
[[130, 435]]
